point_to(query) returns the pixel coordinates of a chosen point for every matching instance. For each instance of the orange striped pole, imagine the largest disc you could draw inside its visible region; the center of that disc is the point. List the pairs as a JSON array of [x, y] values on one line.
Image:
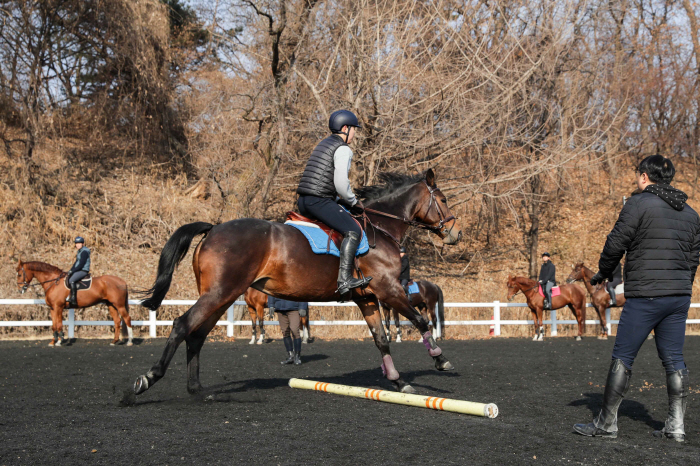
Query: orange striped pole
[[432, 402]]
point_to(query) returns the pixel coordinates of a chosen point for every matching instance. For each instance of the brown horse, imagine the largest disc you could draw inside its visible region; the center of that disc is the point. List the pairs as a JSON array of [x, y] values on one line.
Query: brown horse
[[276, 259], [425, 300], [257, 302], [600, 298], [571, 295], [105, 289]]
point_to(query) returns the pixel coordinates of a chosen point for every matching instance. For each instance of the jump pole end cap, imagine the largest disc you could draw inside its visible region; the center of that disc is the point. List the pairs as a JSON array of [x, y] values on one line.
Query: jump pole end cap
[[491, 410]]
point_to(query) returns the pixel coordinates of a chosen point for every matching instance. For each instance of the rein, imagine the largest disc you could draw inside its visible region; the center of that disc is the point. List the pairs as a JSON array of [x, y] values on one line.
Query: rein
[[26, 285], [414, 223]]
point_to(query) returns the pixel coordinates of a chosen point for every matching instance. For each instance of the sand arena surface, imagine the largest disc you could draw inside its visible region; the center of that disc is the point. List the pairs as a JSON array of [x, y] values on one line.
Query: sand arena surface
[[63, 404]]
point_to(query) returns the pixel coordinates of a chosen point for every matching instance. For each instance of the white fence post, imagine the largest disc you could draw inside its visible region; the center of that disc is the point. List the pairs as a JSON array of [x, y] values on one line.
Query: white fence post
[[496, 318], [71, 323], [438, 330], [229, 317], [152, 323], [607, 320], [553, 318]]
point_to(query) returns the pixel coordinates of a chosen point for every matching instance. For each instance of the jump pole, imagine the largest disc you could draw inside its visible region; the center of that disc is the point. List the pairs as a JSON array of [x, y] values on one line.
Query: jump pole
[[432, 402]]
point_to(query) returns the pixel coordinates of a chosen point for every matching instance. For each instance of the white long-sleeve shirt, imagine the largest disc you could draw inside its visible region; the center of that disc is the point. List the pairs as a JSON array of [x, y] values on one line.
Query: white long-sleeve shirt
[[342, 160]]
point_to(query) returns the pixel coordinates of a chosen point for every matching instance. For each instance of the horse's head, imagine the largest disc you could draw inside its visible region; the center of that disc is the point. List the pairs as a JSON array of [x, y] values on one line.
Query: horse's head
[[433, 211], [24, 276], [576, 274], [513, 287]]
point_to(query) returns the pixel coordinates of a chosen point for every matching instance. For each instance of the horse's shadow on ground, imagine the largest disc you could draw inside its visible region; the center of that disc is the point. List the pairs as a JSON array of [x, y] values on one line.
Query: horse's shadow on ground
[[628, 408]]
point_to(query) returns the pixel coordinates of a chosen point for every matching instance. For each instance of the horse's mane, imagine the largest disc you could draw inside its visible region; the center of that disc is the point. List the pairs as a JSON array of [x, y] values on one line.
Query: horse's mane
[[390, 183], [37, 266]]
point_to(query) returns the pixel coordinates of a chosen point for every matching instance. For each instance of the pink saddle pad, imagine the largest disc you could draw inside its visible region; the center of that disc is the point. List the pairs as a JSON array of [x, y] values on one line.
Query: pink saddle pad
[[555, 291]]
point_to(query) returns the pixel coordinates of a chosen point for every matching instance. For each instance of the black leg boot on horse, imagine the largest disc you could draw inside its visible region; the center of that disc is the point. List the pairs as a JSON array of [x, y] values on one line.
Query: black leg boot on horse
[[605, 425], [348, 248], [677, 388]]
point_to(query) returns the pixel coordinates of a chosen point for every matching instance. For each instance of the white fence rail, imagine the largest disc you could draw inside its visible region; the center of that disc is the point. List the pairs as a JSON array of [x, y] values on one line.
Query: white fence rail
[[229, 322]]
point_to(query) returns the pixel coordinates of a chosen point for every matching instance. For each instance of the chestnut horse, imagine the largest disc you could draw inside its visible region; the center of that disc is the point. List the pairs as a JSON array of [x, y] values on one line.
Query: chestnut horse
[[257, 302], [600, 298], [425, 300], [571, 295], [276, 259], [105, 289]]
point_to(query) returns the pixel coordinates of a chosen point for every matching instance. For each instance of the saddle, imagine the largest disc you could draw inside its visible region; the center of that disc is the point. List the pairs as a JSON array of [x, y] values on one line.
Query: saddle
[[333, 235], [83, 284], [556, 291]]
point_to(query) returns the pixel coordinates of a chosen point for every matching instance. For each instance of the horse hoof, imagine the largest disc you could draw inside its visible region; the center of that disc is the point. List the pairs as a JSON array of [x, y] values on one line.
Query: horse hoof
[[251, 342], [194, 389], [602, 337], [408, 389], [445, 366], [578, 338], [129, 343], [141, 384], [114, 343], [58, 343], [535, 338], [260, 342], [398, 339]]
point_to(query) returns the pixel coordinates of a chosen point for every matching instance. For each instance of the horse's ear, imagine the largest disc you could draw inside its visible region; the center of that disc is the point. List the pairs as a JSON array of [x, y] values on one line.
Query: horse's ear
[[430, 177]]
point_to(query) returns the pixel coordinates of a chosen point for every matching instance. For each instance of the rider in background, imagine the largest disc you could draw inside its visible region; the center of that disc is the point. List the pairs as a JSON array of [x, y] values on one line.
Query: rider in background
[[405, 275], [325, 178], [611, 284], [80, 269], [547, 279]]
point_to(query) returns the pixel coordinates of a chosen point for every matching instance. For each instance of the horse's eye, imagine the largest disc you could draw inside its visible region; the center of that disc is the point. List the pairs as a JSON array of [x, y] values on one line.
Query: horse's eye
[[444, 201]]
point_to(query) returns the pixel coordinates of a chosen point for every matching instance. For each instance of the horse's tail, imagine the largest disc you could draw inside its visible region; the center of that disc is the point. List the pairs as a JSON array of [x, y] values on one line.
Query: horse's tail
[[173, 252], [441, 311]]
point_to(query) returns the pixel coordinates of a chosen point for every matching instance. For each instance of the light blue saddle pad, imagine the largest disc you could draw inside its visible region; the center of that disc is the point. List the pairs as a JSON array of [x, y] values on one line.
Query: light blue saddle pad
[[318, 239], [413, 288]]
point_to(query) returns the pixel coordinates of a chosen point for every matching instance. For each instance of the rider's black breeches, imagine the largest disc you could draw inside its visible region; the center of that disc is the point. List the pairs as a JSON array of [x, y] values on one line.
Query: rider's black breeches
[[329, 212]]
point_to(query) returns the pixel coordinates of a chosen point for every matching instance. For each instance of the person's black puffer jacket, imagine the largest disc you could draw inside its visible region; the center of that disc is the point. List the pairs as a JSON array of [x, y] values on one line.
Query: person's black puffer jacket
[[661, 235]]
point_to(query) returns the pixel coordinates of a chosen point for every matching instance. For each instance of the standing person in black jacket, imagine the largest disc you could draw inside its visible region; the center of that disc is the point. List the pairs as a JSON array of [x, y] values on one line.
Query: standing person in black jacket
[[660, 234], [288, 316], [325, 177], [547, 279], [405, 275]]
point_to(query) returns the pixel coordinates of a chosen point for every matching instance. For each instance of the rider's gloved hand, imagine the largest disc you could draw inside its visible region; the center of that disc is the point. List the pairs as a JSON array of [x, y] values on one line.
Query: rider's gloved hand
[[358, 208], [597, 278]]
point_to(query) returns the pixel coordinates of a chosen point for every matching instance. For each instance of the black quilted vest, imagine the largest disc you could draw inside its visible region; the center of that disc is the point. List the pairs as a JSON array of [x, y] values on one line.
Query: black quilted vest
[[317, 179]]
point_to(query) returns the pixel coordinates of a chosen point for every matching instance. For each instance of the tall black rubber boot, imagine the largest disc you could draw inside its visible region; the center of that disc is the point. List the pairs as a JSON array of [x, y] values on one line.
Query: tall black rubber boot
[[611, 292], [605, 425], [297, 351], [348, 247], [73, 298], [290, 350], [677, 387]]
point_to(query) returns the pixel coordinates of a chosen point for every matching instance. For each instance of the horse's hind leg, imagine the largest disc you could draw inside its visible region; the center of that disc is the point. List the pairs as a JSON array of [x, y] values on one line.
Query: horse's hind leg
[[124, 313], [117, 323], [253, 320], [370, 311], [206, 306], [195, 341]]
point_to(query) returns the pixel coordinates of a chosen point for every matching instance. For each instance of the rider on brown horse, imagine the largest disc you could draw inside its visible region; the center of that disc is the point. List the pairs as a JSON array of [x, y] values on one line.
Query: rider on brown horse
[[325, 178], [80, 269], [547, 279]]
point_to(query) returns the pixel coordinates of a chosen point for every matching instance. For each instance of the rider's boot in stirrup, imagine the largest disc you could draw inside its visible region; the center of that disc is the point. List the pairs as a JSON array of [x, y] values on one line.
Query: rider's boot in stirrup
[[348, 247], [611, 292], [605, 425], [677, 388], [73, 298]]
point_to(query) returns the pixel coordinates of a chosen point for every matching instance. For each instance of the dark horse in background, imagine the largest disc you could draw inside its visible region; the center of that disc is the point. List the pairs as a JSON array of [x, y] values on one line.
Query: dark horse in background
[[106, 289], [257, 302], [429, 294], [276, 259]]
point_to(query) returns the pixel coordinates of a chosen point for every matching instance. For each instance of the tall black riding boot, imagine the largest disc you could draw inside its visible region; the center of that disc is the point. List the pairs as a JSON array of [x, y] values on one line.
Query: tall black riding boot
[[677, 388], [611, 292], [297, 351], [348, 248], [605, 425], [73, 298], [288, 345]]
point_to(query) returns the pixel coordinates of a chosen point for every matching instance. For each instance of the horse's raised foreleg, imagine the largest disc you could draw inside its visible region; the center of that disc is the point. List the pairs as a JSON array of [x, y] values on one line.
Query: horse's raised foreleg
[[206, 306], [370, 311], [399, 301]]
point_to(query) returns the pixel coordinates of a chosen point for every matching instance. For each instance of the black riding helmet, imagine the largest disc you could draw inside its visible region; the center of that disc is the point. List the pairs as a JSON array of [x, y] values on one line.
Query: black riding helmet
[[342, 118]]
